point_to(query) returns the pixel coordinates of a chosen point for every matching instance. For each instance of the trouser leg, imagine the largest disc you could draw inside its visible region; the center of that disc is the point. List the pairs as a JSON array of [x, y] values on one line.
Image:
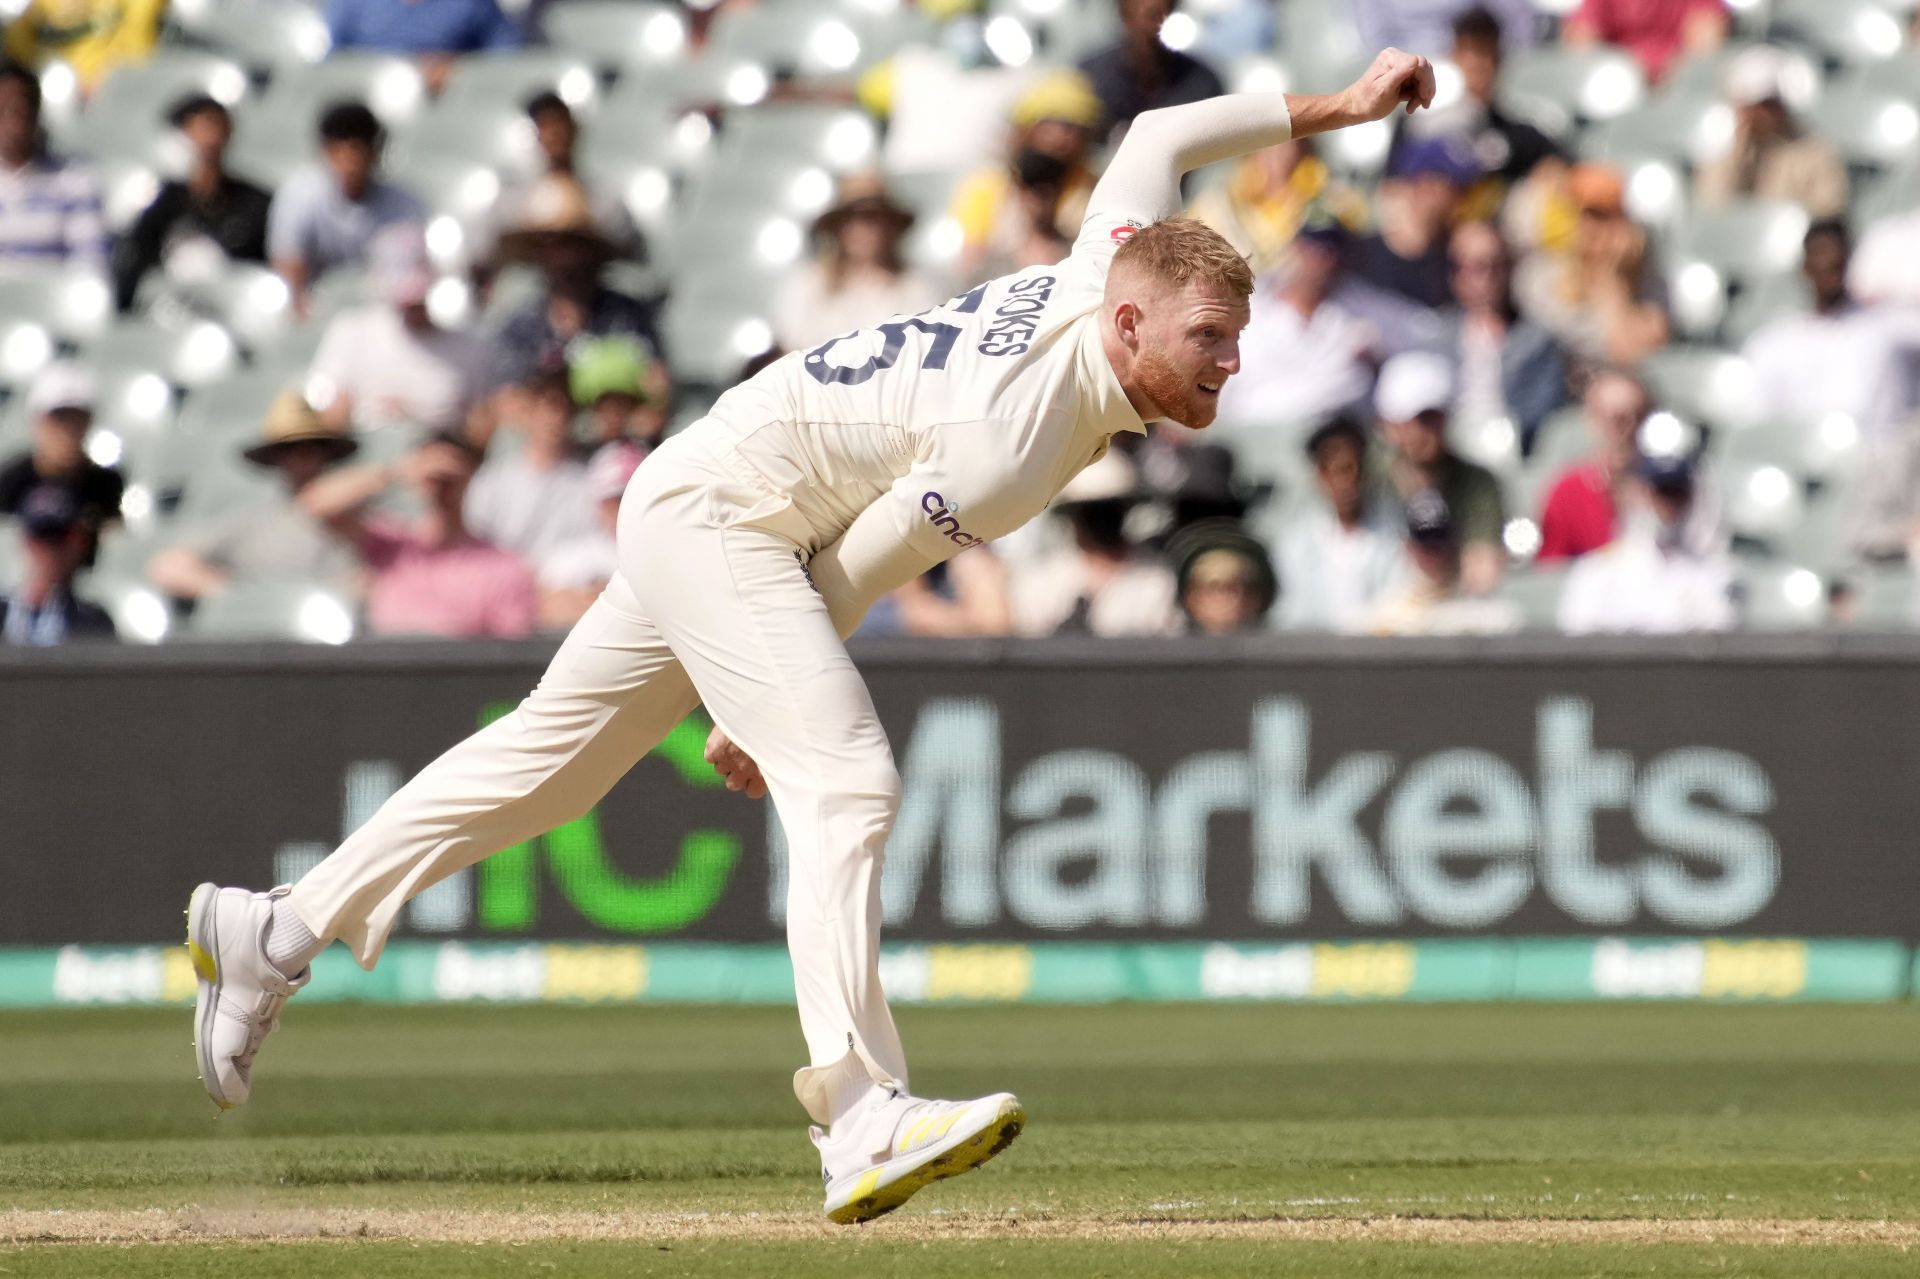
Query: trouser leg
[[611, 693], [737, 608]]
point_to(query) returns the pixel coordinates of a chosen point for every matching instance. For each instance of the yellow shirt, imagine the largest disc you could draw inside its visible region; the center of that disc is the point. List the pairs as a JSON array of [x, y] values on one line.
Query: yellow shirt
[[92, 36]]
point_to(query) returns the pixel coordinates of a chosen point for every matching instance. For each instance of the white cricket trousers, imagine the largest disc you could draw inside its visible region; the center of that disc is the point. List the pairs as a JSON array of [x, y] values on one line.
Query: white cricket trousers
[[711, 605]]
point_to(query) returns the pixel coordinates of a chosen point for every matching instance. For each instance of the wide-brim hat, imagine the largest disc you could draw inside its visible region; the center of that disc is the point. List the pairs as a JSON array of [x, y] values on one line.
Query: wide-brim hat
[[291, 420], [1112, 479], [557, 207], [863, 195]]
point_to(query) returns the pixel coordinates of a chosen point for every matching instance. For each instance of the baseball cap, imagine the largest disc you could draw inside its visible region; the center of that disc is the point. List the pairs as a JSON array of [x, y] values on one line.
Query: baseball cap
[[1429, 519], [1670, 473], [1435, 157], [611, 468], [48, 510], [61, 385], [398, 259], [1413, 383]]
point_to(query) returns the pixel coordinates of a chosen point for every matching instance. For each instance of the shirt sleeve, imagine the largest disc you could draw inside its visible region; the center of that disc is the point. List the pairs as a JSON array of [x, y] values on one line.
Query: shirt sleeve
[[497, 30], [1142, 184], [343, 23], [944, 504], [290, 220]]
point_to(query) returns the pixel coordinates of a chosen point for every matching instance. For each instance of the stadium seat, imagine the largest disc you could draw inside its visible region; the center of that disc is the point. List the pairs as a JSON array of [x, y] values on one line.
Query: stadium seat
[[390, 85], [127, 116], [74, 305], [713, 331], [1319, 38], [1872, 128], [192, 355], [1587, 84], [1763, 501], [140, 614], [451, 185], [509, 78], [1708, 387], [838, 137], [233, 408], [627, 35], [25, 348], [135, 405], [9, 556], [496, 134], [814, 42], [1895, 191], [301, 611], [1781, 597], [127, 186], [1847, 31], [271, 35], [1764, 300], [1682, 129], [1746, 240], [1888, 599], [1536, 591], [1704, 75], [1898, 75]]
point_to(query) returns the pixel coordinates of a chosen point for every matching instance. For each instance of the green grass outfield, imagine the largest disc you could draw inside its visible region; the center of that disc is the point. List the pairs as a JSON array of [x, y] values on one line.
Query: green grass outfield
[[1469, 1140]]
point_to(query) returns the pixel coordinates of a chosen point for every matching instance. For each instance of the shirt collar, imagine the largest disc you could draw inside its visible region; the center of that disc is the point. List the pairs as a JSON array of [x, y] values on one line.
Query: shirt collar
[[1104, 405]]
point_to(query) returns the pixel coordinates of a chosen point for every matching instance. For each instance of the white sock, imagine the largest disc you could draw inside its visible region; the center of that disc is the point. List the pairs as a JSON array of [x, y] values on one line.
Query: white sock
[[291, 945], [849, 1088]]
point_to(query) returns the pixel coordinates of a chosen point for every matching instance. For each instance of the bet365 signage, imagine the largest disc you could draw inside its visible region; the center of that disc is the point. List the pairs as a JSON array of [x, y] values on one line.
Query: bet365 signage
[[1261, 833]]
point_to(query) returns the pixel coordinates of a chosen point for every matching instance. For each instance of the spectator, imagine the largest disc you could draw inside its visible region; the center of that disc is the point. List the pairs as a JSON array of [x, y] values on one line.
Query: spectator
[[1603, 297], [574, 572], [1653, 578], [1268, 195], [1341, 554], [1193, 483], [431, 576], [325, 216], [1408, 255], [1859, 361], [60, 402], [1307, 352], [1026, 211], [210, 216], [1771, 157], [432, 32], [1223, 578], [1412, 401], [857, 276], [387, 364], [616, 381], [1657, 32], [1426, 26], [557, 133], [1104, 583], [1582, 504], [559, 235], [1429, 597], [91, 36], [1507, 150], [49, 209], [274, 539], [537, 497], [966, 595], [1140, 72], [1886, 269], [56, 542], [1508, 366]]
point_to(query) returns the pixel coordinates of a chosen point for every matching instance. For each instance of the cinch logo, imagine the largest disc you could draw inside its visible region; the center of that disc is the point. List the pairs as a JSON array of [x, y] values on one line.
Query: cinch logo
[[947, 520]]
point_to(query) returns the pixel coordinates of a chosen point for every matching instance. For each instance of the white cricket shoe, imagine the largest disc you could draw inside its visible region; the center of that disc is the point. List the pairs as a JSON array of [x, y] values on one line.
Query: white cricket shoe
[[240, 994], [879, 1157]]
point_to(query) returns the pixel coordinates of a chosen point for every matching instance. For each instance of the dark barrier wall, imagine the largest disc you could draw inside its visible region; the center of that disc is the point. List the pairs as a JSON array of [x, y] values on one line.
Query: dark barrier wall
[[1361, 790]]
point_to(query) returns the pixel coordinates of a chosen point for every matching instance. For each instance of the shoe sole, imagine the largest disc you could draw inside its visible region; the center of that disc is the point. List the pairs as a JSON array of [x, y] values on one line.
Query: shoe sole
[[203, 948], [964, 1155]]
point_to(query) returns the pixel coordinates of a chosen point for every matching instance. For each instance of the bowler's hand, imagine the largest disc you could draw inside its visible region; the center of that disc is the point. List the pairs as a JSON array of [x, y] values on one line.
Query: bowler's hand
[[1393, 79], [735, 765]]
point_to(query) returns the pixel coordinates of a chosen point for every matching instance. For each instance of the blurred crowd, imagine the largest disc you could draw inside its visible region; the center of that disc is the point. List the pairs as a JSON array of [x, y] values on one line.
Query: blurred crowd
[[1450, 417]]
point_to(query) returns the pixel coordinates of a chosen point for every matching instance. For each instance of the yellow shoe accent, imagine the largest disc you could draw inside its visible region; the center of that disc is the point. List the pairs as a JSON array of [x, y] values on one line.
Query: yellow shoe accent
[[202, 962]]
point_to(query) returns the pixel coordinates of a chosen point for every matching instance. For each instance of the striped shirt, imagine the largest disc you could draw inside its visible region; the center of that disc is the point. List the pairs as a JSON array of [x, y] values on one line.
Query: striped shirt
[[50, 213]]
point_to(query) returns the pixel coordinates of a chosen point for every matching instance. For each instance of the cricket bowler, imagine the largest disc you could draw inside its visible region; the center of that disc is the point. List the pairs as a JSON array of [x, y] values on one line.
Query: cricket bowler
[[750, 546]]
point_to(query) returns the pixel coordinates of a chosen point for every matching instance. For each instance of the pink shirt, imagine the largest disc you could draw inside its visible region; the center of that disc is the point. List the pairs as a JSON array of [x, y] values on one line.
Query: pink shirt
[[460, 590], [1579, 514], [1651, 30]]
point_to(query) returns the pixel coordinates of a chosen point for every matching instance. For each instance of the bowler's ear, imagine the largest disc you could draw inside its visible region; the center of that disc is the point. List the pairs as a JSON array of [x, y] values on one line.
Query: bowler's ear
[[1126, 322]]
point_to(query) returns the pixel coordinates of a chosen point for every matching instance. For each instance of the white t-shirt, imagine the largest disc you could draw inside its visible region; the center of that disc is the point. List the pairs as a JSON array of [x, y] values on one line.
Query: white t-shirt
[[1138, 599], [1298, 369], [1631, 585], [887, 451], [580, 562], [530, 511], [1863, 361], [398, 377], [1885, 267], [1331, 576]]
